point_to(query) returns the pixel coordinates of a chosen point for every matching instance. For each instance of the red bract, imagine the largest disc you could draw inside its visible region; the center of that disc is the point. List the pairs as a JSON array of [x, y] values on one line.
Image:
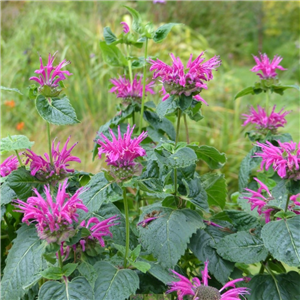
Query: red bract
[[284, 159], [266, 67], [178, 79], [54, 217], [44, 170], [200, 291], [10, 164], [263, 121]]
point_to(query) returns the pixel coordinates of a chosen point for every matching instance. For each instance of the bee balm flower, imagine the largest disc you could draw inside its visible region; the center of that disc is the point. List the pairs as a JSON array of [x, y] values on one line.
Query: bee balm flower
[[125, 27], [10, 164]]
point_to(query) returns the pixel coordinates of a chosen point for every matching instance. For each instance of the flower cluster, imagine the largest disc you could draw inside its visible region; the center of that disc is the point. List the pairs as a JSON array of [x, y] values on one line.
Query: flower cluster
[[50, 76], [200, 291], [43, 169], [284, 159], [121, 152], [266, 67], [9, 164], [128, 91], [54, 217], [190, 80], [263, 121]]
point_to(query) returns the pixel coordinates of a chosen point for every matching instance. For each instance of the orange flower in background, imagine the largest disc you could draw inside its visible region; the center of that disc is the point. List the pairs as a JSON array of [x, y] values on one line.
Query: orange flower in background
[[10, 103], [20, 126]]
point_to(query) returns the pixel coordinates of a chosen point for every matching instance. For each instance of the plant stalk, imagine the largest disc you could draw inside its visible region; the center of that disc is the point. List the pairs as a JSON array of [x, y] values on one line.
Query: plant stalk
[[267, 101], [19, 159], [144, 88], [129, 65], [49, 143], [275, 281], [186, 129], [178, 126], [60, 259], [127, 226]]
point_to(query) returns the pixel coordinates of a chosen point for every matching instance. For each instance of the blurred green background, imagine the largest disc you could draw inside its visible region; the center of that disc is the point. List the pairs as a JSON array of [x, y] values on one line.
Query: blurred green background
[[233, 30]]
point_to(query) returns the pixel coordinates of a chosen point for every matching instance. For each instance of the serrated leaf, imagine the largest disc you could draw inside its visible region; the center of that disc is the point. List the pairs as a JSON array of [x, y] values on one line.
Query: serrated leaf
[[203, 245], [216, 189], [280, 195], [21, 182], [279, 287], [10, 89], [89, 272], [242, 220], [248, 90], [242, 247], [112, 55], [167, 236], [109, 37], [137, 21], [15, 142], [141, 265], [54, 273], [210, 155], [58, 111], [77, 289], [68, 269], [167, 107], [24, 260], [113, 283], [7, 194], [281, 238], [162, 32]]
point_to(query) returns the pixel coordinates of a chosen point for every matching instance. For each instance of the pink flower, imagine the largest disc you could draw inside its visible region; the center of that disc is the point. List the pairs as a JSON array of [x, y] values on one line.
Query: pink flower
[[260, 199], [127, 91], [159, 1], [190, 80], [121, 152], [266, 67], [44, 170], [9, 164], [294, 199], [263, 121], [54, 218], [284, 159], [125, 27], [50, 76], [203, 291], [100, 229]]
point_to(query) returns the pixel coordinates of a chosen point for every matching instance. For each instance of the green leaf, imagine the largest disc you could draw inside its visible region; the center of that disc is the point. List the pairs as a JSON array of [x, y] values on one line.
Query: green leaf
[[167, 236], [203, 245], [141, 265], [109, 37], [161, 32], [279, 287], [280, 195], [114, 283], [279, 89], [7, 194], [242, 247], [77, 289], [167, 107], [194, 112], [137, 21], [281, 238], [68, 269], [24, 260], [22, 183], [15, 142], [215, 188], [89, 272], [58, 111], [54, 273], [244, 92], [10, 89], [242, 220], [112, 55], [210, 155]]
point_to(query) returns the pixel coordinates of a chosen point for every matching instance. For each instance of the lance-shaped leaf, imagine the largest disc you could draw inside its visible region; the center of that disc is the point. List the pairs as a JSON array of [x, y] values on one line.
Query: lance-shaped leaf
[[242, 247], [77, 289], [279, 89], [279, 287], [203, 245], [58, 111], [247, 91], [281, 238], [167, 236], [162, 32], [10, 89], [137, 21], [112, 55], [114, 283], [15, 142], [7, 194], [24, 260], [109, 37]]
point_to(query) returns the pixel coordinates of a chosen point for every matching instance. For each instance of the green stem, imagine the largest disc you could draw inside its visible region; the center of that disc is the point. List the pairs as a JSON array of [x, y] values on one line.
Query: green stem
[[275, 281], [60, 259], [144, 88], [287, 204], [186, 129], [267, 101], [129, 64], [18, 156], [127, 227], [262, 268], [49, 143], [133, 119], [178, 126]]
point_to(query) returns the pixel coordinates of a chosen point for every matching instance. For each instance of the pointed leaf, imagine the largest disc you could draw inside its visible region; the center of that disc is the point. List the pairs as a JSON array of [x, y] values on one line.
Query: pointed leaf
[[244, 92], [10, 90], [89, 272], [279, 89], [15, 142], [167, 107], [112, 55], [109, 37], [162, 32], [137, 21]]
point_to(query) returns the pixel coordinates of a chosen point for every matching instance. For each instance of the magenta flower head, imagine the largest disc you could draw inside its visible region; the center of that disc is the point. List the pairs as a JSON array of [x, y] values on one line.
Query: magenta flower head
[[159, 1], [266, 67], [202, 290], [44, 170], [9, 164], [130, 92], [53, 217], [50, 76], [125, 27], [264, 122], [190, 80], [121, 153], [285, 159]]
